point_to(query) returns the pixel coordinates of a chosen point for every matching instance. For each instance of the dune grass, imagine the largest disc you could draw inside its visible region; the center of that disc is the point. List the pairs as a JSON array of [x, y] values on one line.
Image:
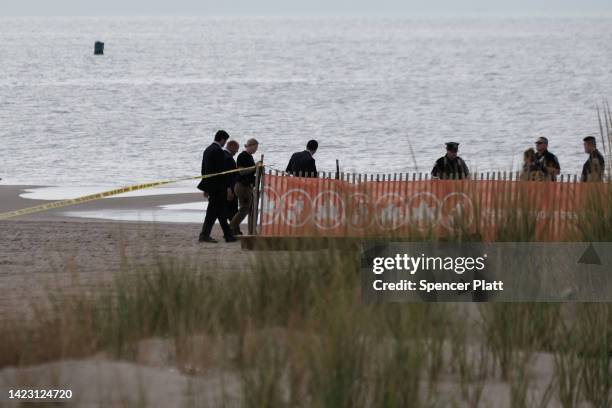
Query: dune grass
[[295, 330]]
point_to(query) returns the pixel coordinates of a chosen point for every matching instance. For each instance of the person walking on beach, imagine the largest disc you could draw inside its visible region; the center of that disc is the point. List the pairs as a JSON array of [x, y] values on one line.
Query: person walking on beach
[[216, 189], [303, 163], [531, 171], [231, 148], [593, 169], [450, 166], [546, 161], [244, 184]]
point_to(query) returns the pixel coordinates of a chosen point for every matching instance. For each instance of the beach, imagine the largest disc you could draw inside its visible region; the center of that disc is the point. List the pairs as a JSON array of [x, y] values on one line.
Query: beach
[[50, 251]]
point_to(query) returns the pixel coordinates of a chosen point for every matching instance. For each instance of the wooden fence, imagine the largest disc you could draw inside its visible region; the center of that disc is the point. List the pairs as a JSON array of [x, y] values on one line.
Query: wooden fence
[[405, 204]]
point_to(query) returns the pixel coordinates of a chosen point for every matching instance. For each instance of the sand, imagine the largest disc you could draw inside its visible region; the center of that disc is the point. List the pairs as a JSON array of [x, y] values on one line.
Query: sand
[[152, 381], [102, 383], [48, 251]]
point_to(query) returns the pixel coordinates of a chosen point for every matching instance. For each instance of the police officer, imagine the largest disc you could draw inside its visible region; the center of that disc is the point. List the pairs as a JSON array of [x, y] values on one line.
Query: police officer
[[593, 169], [450, 166], [304, 162], [546, 161]]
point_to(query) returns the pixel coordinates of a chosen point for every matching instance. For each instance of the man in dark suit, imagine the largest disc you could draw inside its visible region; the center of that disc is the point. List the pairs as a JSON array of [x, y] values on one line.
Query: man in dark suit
[[303, 162], [216, 189]]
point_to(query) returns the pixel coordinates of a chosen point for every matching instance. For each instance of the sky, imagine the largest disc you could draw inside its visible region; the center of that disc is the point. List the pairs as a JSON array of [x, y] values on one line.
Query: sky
[[399, 8]]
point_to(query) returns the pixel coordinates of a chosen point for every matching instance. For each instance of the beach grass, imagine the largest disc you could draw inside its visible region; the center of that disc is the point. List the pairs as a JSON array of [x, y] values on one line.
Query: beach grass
[[297, 334], [293, 328]]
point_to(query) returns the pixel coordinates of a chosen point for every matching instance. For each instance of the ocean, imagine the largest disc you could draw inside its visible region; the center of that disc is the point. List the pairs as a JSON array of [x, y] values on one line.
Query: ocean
[[380, 95]]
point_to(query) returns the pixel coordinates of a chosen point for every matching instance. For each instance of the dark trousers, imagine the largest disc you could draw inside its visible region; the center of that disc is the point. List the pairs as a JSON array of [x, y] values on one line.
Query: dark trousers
[[216, 210]]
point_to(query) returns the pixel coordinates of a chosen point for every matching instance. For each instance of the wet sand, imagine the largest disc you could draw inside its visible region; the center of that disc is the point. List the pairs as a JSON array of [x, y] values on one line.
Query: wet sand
[[10, 200]]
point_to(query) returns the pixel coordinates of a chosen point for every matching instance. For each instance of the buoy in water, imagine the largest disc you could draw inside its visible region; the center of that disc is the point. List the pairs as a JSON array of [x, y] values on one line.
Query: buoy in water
[[99, 48]]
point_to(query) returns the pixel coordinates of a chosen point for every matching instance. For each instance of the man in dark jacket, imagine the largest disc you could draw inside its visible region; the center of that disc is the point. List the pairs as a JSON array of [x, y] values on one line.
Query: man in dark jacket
[[216, 189], [303, 163], [231, 148], [244, 185], [593, 169], [450, 166]]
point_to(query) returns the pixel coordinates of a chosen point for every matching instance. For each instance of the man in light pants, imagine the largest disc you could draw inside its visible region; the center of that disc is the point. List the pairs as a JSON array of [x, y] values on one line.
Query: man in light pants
[[244, 185]]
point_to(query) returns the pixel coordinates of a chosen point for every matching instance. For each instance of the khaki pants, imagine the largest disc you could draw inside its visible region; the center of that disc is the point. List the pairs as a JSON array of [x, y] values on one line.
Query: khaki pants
[[245, 204]]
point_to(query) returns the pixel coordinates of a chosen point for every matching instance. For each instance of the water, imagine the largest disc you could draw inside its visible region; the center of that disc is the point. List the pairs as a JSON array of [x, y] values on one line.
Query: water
[[66, 193], [367, 89], [144, 215]]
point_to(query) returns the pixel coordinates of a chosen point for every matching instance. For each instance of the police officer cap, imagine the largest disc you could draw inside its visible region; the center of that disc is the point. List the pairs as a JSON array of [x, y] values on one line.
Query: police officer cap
[[452, 146]]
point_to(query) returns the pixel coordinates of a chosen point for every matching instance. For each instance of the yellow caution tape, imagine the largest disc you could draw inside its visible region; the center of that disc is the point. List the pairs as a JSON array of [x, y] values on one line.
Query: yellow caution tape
[[110, 193]]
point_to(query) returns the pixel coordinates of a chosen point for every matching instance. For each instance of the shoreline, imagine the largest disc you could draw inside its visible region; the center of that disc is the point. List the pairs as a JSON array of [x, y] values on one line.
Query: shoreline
[[11, 200]]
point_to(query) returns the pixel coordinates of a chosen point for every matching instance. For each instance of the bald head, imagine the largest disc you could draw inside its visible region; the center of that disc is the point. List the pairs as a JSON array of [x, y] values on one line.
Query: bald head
[[232, 147]]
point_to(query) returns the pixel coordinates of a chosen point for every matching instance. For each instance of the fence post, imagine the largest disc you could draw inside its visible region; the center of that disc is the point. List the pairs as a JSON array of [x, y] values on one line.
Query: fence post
[[253, 218]]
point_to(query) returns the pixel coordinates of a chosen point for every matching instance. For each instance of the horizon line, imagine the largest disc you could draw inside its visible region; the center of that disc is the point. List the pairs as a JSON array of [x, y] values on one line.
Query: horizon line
[[339, 15]]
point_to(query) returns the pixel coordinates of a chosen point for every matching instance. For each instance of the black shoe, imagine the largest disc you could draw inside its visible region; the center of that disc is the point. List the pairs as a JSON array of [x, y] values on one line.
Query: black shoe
[[230, 239], [237, 233], [207, 239]]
